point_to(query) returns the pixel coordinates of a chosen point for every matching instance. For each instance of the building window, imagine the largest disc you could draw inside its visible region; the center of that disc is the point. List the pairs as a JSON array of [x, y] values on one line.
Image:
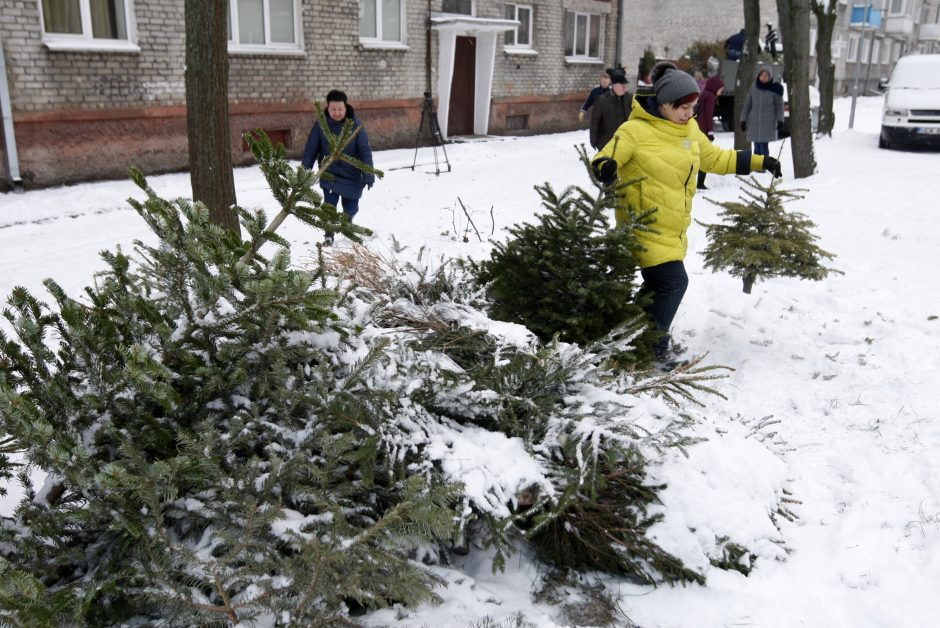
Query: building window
[[88, 24], [897, 7], [837, 47], [876, 51], [459, 7], [263, 25], [853, 48], [522, 36], [886, 52], [380, 21], [582, 35]]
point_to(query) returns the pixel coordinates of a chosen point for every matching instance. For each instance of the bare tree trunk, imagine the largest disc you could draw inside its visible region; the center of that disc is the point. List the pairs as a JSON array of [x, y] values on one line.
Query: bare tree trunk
[[745, 74], [825, 12], [210, 144], [794, 28]]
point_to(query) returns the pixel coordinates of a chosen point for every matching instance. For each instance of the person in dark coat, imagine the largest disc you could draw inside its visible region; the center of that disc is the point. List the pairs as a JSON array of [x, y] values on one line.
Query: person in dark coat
[[734, 45], [347, 181], [706, 114], [611, 110], [595, 94], [762, 113]]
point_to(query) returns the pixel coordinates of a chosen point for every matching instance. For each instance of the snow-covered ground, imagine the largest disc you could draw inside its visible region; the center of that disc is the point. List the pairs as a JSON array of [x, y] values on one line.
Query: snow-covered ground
[[843, 374]]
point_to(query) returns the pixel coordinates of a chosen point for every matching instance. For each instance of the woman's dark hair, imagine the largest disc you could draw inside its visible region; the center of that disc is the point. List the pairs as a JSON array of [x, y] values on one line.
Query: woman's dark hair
[[336, 95]]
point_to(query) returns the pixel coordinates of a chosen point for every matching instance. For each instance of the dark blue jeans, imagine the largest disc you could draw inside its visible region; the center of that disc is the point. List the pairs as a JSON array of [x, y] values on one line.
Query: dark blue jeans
[[350, 205], [762, 148], [666, 284]]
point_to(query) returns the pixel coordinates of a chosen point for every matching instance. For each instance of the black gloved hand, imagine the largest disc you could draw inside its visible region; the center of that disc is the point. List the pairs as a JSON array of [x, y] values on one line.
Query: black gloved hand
[[779, 126], [711, 137], [605, 169], [743, 126], [772, 166]]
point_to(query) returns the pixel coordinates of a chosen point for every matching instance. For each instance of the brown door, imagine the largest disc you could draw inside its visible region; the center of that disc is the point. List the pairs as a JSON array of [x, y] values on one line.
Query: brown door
[[460, 114]]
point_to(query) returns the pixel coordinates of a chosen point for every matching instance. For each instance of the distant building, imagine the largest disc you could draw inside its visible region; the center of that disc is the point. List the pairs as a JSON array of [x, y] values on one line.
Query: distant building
[[93, 86]]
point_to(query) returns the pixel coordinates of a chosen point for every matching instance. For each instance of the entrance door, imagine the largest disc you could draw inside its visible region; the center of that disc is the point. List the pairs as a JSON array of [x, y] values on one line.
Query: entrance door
[[460, 114]]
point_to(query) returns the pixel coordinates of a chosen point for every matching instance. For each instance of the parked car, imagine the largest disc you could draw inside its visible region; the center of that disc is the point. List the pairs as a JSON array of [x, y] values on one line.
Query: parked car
[[911, 114]]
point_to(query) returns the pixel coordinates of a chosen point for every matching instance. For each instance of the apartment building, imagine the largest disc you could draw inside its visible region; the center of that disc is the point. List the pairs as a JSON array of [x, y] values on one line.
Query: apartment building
[[92, 86]]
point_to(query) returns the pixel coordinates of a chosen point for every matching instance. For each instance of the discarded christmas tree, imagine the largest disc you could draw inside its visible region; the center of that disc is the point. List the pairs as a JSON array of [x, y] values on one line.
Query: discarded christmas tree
[[209, 455], [570, 273], [760, 239]]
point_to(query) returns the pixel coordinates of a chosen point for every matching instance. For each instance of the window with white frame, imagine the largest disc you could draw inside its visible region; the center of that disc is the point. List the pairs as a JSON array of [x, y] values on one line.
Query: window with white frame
[[264, 25], [381, 22], [92, 24], [522, 36], [863, 52], [886, 52], [896, 52], [583, 35], [853, 48], [876, 51], [897, 7]]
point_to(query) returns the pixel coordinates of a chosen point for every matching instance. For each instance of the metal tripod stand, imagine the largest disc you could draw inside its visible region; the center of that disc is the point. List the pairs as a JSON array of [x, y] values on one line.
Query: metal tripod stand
[[434, 129]]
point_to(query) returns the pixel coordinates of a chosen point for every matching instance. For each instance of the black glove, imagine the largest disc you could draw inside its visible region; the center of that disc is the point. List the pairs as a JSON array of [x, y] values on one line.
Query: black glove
[[772, 166], [605, 169], [743, 126], [780, 126], [711, 137]]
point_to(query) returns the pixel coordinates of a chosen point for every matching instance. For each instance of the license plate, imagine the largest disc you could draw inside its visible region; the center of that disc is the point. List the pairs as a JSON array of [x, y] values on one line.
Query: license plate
[[929, 130]]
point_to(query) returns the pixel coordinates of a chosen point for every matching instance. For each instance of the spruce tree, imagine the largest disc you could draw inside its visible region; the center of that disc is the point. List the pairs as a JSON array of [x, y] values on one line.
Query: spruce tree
[[570, 273], [759, 239], [211, 449]]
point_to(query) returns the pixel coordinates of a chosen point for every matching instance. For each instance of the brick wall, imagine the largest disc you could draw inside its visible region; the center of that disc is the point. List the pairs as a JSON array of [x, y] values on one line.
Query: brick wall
[[129, 108]]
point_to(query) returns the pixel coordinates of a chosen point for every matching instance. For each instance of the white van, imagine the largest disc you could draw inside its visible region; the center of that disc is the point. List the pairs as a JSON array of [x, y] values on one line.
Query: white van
[[912, 103]]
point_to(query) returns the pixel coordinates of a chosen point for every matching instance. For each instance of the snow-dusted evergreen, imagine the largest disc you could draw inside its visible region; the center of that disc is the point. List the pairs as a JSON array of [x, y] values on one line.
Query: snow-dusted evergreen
[[759, 239], [229, 438]]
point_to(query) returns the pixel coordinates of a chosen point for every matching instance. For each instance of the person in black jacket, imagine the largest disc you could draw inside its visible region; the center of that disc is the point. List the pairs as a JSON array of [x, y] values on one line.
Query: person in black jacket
[[347, 181], [595, 94], [611, 110]]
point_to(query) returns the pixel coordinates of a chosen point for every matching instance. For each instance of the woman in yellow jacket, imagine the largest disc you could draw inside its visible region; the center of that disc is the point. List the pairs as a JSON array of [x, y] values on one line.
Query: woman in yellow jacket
[[662, 144]]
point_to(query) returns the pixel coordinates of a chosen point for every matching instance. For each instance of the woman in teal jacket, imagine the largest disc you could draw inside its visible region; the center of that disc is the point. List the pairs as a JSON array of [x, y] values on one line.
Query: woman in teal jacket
[[662, 146]]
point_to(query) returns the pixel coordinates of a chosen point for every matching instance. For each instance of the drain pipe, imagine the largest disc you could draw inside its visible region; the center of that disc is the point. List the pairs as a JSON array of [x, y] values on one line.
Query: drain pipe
[[9, 139], [619, 40]]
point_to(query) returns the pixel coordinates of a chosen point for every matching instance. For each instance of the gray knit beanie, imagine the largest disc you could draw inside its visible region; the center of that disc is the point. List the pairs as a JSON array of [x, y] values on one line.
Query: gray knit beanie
[[674, 85]]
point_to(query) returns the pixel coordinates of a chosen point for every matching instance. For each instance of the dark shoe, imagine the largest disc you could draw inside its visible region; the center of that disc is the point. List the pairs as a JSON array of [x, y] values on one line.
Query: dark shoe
[[328, 240], [701, 187]]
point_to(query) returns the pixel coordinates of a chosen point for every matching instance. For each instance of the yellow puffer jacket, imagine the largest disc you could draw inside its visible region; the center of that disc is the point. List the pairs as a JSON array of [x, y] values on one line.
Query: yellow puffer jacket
[[668, 156]]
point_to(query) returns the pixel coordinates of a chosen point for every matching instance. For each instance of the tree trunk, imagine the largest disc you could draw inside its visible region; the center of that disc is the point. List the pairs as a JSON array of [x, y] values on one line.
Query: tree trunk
[[825, 13], [794, 29], [744, 77], [748, 281], [210, 144]]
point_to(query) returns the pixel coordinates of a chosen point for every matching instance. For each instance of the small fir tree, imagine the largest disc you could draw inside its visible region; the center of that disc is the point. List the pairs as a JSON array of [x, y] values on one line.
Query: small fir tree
[[570, 273], [760, 239]]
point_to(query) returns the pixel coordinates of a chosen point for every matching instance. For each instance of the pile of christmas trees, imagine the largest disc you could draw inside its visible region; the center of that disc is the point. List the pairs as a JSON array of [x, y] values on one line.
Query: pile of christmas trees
[[228, 438]]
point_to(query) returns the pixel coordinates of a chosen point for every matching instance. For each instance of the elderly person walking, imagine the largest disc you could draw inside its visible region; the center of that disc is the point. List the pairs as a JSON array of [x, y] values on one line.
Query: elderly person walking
[[611, 110], [762, 113], [662, 146]]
